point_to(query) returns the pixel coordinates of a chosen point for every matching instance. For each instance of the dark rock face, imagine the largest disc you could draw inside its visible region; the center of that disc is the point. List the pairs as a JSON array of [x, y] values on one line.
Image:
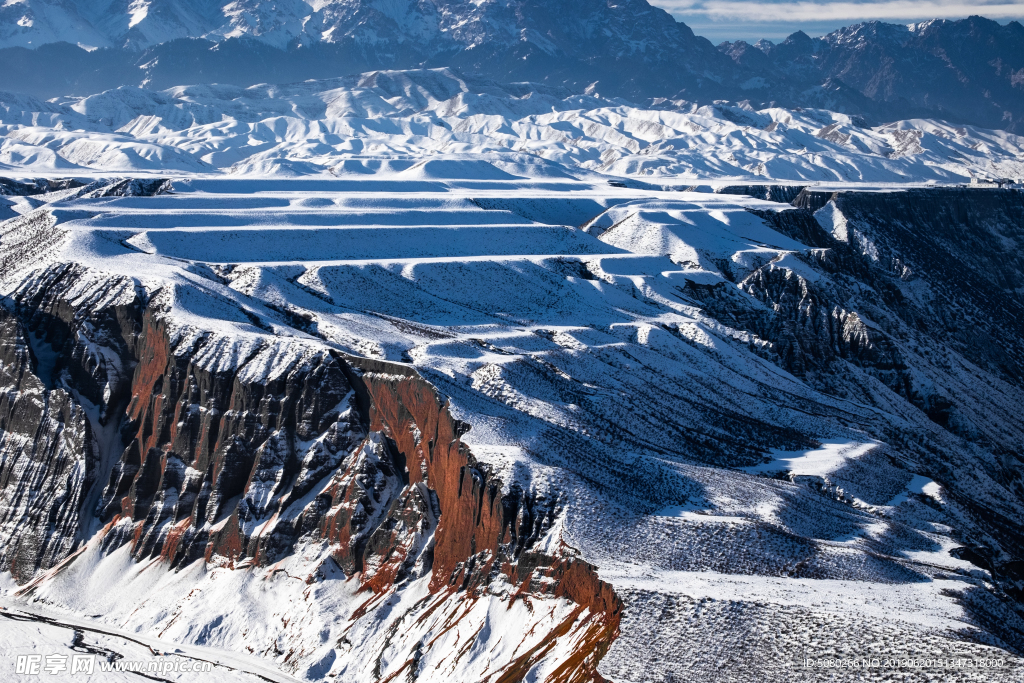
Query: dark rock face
[[126, 187], [46, 456], [193, 451], [59, 402], [808, 326], [20, 188], [963, 244]]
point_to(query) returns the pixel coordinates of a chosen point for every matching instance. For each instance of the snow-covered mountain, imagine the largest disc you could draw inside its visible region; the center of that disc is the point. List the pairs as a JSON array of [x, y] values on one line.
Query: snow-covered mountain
[[391, 120], [969, 70], [565, 41], [425, 27], [96, 23], [963, 71]]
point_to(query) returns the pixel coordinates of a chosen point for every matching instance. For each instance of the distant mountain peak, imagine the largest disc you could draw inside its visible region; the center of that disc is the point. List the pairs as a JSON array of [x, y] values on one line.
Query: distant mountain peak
[[797, 38]]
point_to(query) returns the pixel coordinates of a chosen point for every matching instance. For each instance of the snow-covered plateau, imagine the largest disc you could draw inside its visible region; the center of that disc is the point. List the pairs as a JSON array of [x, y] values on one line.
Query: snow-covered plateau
[[401, 377]]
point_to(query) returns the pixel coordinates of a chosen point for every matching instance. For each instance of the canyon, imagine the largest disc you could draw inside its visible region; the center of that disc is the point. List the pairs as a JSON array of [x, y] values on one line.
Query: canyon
[[457, 421]]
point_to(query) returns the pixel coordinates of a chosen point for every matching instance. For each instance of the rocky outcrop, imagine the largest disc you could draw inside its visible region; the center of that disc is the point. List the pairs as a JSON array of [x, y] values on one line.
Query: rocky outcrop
[[962, 243], [783, 194], [935, 266], [64, 368], [126, 187], [46, 457], [191, 447], [808, 323], [27, 188]]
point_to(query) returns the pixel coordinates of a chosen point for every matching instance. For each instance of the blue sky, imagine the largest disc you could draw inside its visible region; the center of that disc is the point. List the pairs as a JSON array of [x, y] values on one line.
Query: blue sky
[[749, 20]]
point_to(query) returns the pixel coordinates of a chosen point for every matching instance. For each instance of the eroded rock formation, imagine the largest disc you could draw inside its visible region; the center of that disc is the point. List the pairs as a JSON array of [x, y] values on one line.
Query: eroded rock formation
[[190, 448]]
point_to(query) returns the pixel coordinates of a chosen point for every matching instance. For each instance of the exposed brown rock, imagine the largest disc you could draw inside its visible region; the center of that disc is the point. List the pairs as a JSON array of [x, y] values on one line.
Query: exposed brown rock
[[226, 466]]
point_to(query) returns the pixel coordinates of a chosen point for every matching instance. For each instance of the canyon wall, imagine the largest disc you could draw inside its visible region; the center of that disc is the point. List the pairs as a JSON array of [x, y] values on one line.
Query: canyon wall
[[190, 447]]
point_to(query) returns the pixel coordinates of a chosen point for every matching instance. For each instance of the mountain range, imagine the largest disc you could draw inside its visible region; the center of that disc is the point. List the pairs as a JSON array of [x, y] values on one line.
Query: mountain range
[[377, 341], [386, 121], [969, 71]]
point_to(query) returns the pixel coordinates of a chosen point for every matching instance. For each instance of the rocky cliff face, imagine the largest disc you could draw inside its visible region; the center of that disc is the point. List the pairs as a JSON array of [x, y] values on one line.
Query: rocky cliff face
[[711, 423], [928, 267], [188, 449], [48, 440], [66, 369]]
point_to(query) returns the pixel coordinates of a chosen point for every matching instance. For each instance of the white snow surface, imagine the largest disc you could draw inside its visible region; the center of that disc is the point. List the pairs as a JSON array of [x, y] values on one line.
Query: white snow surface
[[393, 123], [456, 246], [820, 462]]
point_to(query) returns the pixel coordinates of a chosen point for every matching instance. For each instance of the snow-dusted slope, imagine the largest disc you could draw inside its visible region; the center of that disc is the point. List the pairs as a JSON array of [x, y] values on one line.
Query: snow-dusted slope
[[385, 122], [696, 436]]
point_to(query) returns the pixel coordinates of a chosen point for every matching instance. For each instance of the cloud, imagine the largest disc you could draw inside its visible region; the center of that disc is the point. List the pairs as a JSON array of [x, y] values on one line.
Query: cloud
[[800, 11]]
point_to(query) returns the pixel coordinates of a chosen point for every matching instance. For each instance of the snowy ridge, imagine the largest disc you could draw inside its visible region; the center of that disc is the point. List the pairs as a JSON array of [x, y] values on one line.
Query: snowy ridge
[[387, 122]]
